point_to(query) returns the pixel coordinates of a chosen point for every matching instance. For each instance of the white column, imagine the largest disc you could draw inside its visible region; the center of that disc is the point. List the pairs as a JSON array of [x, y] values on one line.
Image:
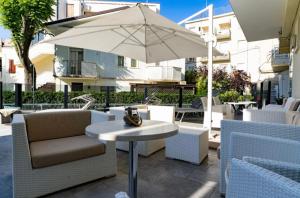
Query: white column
[[210, 66]]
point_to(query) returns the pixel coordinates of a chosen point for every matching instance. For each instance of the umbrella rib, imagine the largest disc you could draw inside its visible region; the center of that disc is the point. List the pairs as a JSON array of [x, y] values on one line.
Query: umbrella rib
[[128, 37], [145, 22], [176, 33], [91, 32], [185, 31], [164, 42], [138, 41]]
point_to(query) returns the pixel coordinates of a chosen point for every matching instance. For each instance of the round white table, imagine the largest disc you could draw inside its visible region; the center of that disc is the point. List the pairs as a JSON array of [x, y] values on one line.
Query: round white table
[[118, 131]]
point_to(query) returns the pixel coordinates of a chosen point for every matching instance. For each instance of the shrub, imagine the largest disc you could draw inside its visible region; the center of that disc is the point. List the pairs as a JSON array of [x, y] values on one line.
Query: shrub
[[229, 96], [116, 98]]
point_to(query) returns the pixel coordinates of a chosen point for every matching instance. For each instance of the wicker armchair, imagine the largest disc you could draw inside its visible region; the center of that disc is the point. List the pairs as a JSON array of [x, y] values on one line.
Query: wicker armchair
[[256, 148], [261, 178], [61, 159], [219, 113]]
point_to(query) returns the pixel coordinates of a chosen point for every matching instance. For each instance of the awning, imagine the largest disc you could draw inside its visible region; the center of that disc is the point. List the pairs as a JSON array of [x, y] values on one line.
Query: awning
[[260, 19]]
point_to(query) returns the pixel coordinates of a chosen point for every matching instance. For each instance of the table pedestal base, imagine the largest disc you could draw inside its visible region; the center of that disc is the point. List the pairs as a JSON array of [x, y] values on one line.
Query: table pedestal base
[[133, 166]]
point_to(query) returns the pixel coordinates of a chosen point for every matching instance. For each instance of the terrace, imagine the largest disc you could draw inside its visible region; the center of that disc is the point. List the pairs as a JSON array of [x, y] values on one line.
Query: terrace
[[88, 151]]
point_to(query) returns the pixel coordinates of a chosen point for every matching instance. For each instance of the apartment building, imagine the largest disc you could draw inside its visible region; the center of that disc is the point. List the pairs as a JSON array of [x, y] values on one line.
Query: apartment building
[[84, 69], [260, 59]]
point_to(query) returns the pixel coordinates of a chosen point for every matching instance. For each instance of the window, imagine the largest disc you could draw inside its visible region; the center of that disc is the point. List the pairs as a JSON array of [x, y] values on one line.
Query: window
[[133, 63], [69, 10], [191, 60], [121, 61], [77, 86], [12, 67]]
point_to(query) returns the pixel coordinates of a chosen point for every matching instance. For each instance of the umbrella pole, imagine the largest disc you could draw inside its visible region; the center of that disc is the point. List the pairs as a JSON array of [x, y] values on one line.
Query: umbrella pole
[[210, 68]]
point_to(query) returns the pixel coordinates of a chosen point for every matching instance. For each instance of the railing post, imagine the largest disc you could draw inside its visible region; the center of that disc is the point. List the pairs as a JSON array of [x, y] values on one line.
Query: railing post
[[261, 94], [1, 95], [145, 93], [107, 97], [180, 97], [18, 95], [268, 101], [66, 96]]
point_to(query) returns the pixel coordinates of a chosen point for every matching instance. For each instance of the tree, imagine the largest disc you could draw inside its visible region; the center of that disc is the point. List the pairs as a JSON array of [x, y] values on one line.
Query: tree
[[25, 18]]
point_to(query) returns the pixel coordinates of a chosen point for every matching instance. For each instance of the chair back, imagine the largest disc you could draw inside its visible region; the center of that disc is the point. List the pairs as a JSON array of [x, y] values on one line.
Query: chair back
[[204, 102], [162, 113], [217, 100]]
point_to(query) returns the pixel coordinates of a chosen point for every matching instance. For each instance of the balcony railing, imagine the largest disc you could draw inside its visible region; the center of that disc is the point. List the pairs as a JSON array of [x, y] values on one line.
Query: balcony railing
[[217, 59], [164, 73], [223, 34], [279, 60], [77, 69]]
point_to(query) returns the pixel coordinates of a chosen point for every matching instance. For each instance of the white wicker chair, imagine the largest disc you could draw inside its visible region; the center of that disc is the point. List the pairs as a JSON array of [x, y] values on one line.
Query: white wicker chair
[[261, 178], [219, 113], [284, 131], [34, 182]]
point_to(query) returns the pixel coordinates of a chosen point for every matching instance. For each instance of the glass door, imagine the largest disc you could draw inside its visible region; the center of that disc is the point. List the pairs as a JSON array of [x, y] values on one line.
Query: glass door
[[76, 57]]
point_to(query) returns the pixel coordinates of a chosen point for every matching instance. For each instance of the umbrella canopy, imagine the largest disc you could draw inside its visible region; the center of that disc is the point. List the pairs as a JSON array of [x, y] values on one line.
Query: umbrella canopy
[[136, 32]]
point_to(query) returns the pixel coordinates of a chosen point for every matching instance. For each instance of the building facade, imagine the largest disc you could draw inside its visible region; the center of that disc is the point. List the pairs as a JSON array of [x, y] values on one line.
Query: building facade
[[83, 69], [260, 59]]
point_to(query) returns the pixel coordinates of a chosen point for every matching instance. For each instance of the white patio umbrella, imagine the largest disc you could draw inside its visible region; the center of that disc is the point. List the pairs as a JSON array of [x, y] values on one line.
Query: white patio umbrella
[[137, 33]]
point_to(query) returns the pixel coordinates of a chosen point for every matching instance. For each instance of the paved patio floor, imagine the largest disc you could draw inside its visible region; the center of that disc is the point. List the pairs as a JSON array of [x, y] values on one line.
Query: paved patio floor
[[158, 177]]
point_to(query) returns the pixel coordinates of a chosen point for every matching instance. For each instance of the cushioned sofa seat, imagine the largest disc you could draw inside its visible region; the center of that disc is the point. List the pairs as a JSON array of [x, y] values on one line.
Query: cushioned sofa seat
[[58, 151]]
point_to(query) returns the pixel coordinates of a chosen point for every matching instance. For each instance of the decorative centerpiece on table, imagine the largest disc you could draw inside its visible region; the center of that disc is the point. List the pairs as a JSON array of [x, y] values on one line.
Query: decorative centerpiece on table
[[132, 117]]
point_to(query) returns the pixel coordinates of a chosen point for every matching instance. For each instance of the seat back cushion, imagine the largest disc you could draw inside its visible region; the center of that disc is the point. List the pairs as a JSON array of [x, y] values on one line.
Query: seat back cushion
[[289, 103], [290, 116], [53, 125], [294, 105], [296, 120]]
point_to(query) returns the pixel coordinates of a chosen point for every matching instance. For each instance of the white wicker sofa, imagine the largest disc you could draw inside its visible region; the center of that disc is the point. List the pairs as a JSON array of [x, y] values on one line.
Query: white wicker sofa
[[283, 131], [51, 152], [152, 112]]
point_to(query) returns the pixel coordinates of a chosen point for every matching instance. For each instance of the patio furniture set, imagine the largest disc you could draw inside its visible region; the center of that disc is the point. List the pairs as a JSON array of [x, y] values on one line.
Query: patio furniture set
[[54, 150], [260, 155]]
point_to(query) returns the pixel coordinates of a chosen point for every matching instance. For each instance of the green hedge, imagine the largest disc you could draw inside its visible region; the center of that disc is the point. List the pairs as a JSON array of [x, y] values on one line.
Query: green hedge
[[117, 98]]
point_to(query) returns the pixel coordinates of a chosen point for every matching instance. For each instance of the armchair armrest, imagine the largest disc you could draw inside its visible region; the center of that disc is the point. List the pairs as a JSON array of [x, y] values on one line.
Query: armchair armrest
[[255, 115], [285, 131], [98, 116], [278, 149], [288, 170], [20, 146], [249, 180]]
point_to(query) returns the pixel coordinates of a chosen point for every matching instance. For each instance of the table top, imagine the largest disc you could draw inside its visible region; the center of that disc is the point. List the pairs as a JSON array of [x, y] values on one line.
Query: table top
[[118, 131], [241, 103]]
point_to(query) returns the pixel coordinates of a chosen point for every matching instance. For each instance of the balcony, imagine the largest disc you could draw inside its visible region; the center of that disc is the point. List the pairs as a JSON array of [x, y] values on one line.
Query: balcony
[[223, 34], [76, 69], [217, 59], [164, 73], [39, 51], [280, 62]]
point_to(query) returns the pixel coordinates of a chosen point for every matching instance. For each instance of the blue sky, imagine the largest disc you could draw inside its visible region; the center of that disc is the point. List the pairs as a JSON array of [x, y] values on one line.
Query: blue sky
[[175, 10]]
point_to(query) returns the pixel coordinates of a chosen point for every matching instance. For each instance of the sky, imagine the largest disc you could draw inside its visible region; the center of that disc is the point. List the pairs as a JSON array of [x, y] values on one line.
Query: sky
[[176, 10]]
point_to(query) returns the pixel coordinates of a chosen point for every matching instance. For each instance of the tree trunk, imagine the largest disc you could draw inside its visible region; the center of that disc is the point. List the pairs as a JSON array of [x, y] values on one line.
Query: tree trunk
[[23, 54]]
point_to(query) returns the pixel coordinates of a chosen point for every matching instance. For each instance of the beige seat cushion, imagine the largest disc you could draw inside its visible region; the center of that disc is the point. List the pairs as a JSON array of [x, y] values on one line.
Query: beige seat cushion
[[57, 151], [52, 125]]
